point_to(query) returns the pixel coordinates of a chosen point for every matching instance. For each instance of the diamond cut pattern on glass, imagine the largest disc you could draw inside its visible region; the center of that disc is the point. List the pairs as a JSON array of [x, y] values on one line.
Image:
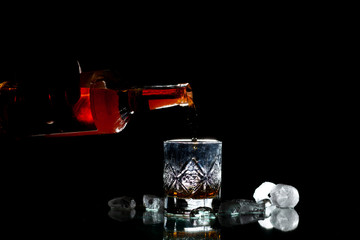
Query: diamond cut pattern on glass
[[192, 178]]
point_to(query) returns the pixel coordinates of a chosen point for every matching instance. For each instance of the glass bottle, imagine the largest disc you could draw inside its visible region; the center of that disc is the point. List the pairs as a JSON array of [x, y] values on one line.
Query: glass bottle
[[99, 105]]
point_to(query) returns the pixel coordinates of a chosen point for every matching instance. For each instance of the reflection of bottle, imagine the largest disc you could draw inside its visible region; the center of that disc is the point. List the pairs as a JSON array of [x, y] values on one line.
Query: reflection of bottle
[[98, 106]]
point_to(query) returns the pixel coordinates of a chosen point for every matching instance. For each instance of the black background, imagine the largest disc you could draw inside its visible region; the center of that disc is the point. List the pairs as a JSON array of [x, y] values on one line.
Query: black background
[[259, 86]]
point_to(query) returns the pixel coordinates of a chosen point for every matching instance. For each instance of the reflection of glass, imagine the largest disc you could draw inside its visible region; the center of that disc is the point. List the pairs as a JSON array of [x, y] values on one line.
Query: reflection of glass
[[190, 228], [192, 174]]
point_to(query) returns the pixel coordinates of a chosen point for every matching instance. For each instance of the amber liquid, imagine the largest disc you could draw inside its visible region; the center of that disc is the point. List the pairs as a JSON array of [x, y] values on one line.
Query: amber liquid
[[209, 234], [208, 192]]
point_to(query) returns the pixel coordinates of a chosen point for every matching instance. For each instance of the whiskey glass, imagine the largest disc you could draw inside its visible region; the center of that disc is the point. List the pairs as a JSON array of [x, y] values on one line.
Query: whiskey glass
[[192, 174]]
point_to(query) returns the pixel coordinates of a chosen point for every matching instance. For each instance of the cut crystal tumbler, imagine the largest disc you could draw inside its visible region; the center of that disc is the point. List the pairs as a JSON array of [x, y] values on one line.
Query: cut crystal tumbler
[[192, 174]]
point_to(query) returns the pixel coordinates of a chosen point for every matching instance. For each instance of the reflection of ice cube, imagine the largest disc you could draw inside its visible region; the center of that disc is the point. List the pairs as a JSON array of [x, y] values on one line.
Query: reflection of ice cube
[[284, 196], [284, 219], [202, 212], [262, 192], [153, 217], [241, 206], [266, 223], [231, 220], [123, 202], [122, 215], [153, 203]]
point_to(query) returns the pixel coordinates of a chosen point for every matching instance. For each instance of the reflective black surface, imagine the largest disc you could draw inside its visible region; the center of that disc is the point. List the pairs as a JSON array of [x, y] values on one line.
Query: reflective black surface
[[61, 186]]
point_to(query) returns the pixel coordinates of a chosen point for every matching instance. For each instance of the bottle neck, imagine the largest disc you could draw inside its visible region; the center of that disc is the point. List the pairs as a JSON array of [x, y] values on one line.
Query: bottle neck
[[158, 97], [143, 98]]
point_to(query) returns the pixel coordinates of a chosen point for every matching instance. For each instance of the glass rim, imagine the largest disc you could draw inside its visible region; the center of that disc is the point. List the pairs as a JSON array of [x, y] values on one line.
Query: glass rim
[[190, 141]]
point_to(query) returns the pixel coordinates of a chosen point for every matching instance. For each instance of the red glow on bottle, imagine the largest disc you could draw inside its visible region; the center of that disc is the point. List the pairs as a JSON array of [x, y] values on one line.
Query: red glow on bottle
[[82, 109], [105, 109]]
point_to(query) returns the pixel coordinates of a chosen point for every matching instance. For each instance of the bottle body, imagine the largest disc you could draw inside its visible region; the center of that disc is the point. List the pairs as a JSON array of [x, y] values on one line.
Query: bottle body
[[99, 106]]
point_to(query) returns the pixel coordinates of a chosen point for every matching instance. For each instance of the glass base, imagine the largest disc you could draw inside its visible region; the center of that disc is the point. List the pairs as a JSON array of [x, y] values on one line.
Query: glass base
[[182, 206]]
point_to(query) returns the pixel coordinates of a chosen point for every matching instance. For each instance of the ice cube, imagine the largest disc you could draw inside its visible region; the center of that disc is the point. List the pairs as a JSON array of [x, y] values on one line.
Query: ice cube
[[230, 221], [241, 206], [229, 208], [284, 196], [123, 202], [152, 202], [269, 209], [262, 192], [251, 207], [284, 219]]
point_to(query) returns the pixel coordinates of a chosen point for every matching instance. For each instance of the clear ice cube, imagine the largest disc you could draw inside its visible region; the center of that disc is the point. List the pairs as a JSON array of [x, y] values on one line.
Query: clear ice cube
[[284, 196], [123, 202], [241, 206], [230, 221], [262, 192], [152, 202]]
